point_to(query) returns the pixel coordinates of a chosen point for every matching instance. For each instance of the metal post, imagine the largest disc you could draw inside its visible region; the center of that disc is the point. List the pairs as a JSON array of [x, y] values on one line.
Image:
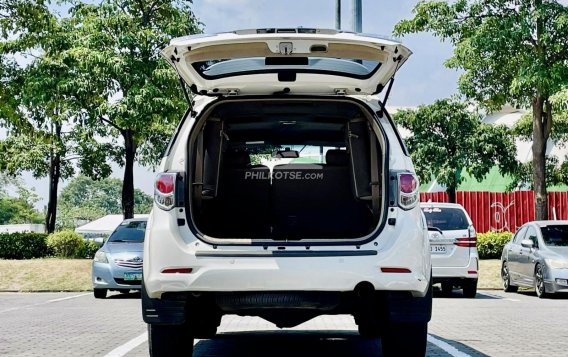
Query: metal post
[[357, 16], [338, 14]]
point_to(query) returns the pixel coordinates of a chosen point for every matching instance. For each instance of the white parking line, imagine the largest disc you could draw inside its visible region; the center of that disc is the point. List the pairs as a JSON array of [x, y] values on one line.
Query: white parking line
[[43, 303], [128, 346], [451, 350], [68, 297], [497, 297]]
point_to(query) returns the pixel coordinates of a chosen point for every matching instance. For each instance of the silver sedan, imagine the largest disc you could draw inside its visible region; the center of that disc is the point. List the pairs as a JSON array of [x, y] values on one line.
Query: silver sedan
[[537, 256], [118, 264]]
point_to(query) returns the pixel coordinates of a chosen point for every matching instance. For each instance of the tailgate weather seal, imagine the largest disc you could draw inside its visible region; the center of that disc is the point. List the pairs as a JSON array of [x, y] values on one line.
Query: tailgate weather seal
[[286, 254]]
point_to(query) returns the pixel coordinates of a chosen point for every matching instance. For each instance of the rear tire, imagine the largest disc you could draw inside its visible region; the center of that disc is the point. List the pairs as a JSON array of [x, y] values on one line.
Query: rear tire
[[469, 288], [405, 339], [100, 293], [169, 340], [507, 287]]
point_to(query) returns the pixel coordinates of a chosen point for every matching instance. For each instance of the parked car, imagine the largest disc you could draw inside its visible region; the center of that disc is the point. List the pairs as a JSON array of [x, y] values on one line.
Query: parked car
[[118, 264], [453, 245], [537, 257], [298, 239]]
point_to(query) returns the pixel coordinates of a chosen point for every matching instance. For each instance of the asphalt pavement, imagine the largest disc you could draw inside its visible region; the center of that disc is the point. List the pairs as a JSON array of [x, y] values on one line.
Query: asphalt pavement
[[77, 324]]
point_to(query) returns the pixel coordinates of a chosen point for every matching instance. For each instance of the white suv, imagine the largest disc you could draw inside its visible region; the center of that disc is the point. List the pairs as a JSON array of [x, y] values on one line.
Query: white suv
[[453, 244], [286, 192]]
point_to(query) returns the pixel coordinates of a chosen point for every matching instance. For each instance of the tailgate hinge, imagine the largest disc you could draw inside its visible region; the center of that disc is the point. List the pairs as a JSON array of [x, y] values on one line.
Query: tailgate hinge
[[340, 91], [232, 92]]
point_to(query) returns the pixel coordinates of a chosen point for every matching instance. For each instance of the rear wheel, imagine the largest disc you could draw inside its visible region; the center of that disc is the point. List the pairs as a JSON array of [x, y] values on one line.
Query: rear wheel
[[100, 293], [405, 339], [507, 287], [539, 282], [169, 340], [469, 288]]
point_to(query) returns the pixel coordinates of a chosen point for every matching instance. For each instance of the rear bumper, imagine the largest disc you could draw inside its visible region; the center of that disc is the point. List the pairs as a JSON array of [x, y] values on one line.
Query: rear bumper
[[470, 271]]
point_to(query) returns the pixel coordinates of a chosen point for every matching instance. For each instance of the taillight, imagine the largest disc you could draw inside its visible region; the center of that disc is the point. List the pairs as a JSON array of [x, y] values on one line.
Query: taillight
[[408, 190], [164, 190], [466, 242], [470, 241]]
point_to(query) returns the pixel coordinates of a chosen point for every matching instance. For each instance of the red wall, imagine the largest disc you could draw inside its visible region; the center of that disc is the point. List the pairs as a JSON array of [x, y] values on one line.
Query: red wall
[[498, 211]]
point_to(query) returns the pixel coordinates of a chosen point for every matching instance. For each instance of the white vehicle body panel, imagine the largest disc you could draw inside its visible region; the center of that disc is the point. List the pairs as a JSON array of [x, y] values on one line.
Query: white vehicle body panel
[[183, 52]]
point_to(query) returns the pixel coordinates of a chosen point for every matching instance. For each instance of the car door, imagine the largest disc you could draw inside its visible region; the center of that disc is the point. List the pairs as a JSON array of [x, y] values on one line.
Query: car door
[[513, 255], [528, 257]]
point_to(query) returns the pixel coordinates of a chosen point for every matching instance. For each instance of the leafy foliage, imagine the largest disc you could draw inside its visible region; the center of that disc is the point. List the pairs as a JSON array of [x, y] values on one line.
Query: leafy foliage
[[490, 245], [19, 209], [136, 101], [15, 210], [511, 51], [446, 138], [87, 249], [65, 244], [84, 198], [23, 245]]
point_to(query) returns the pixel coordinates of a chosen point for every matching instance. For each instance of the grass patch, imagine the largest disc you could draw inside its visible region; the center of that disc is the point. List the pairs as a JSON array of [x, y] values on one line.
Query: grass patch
[[45, 274], [53, 274], [490, 274]]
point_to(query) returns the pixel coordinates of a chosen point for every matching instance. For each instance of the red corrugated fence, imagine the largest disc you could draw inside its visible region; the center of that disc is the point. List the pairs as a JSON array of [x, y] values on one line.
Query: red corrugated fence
[[502, 211]]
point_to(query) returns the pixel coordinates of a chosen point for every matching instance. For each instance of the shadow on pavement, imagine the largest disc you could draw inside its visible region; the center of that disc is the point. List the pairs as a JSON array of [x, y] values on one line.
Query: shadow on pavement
[[458, 294], [280, 343], [288, 343]]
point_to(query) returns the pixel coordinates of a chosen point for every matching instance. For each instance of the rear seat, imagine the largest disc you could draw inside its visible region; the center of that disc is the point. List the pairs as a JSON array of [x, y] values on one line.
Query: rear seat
[[316, 201], [243, 208]]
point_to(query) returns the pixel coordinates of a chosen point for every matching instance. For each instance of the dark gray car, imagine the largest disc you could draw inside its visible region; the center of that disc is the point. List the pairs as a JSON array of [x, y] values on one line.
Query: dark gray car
[[537, 256]]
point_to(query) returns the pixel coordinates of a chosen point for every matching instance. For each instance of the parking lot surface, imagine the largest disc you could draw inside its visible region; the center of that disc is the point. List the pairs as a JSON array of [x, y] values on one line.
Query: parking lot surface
[[76, 324]]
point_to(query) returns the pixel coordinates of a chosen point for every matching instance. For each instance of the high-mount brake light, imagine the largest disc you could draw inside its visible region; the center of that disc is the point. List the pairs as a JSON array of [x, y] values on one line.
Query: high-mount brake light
[[164, 190], [408, 190]]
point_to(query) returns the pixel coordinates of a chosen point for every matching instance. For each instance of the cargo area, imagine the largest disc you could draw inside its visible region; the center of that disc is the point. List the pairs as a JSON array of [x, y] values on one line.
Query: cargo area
[[286, 170]]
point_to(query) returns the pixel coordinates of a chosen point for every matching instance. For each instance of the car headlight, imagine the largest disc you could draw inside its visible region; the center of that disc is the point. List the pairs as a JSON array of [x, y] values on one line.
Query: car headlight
[[101, 257], [557, 264]]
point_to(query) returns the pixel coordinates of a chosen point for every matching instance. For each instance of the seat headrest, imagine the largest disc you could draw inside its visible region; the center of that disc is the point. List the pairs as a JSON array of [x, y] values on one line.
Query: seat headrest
[[237, 159], [337, 158]]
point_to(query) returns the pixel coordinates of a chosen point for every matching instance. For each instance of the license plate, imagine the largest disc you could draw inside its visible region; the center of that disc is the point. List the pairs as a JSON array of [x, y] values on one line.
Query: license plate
[[438, 249], [132, 275]]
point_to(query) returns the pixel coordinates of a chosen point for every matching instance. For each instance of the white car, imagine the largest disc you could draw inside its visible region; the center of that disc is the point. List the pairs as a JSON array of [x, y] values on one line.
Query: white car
[[453, 245], [328, 223]]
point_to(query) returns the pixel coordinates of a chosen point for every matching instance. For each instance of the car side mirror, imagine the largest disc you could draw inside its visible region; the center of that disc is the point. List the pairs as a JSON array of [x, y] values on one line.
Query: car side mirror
[[527, 243]]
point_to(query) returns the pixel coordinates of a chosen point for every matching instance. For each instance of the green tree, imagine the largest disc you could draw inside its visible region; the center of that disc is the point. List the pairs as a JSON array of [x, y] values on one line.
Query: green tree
[[47, 98], [20, 209], [446, 138], [139, 100], [511, 51], [87, 199]]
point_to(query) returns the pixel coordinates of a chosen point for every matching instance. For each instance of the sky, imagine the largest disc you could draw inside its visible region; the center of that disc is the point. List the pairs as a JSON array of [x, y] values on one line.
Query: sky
[[421, 80]]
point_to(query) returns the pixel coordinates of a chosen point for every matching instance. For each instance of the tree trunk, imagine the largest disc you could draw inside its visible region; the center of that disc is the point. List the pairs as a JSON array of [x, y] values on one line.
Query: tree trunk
[[451, 191], [541, 131], [54, 176], [128, 183]]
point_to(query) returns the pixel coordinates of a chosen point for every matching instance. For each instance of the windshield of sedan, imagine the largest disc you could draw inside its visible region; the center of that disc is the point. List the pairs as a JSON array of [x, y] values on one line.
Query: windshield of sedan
[[130, 232], [555, 236], [445, 219]]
